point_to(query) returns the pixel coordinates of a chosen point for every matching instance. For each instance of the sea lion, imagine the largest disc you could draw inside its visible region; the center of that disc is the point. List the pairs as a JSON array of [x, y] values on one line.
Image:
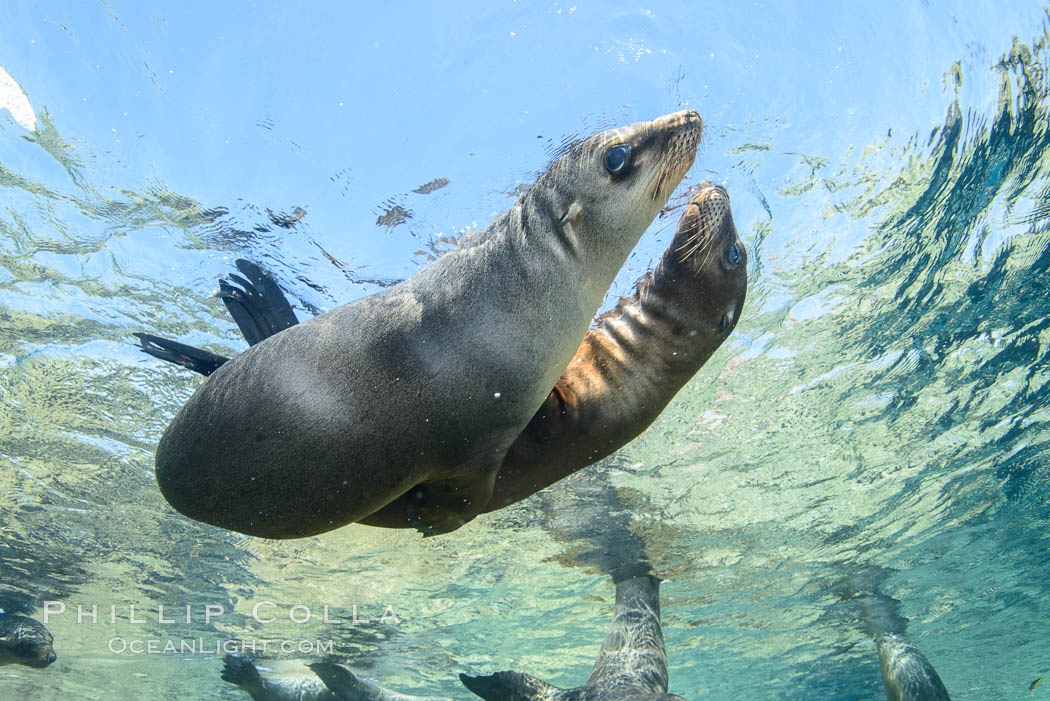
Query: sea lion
[[624, 372], [25, 641], [345, 685], [906, 673], [291, 680], [284, 680], [423, 386], [632, 663], [634, 361]]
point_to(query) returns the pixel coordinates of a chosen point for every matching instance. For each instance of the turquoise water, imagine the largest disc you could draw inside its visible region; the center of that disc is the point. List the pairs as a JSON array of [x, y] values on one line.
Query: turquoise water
[[882, 402]]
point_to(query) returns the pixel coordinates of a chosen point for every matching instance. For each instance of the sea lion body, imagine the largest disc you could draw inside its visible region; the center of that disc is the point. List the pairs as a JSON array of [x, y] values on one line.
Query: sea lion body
[[284, 680], [25, 641], [291, 680], [906, 673], [429, 382], [622, 376], [347, 686], [632, 663]]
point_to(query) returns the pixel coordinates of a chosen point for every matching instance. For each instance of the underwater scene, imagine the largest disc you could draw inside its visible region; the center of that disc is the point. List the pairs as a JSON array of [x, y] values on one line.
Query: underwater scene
[[808, 460]]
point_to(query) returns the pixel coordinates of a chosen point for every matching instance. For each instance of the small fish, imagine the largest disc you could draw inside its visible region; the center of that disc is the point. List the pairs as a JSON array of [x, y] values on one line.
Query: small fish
[[1034, 684]]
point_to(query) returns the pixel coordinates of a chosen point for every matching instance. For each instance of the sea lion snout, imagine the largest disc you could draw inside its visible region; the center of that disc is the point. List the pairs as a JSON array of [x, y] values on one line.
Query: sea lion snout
[[25, 641]]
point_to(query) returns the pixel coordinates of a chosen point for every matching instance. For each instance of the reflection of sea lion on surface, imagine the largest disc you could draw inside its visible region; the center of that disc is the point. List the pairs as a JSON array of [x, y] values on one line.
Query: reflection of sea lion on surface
[[632, 663], [289, 680], [25, 641], [906, 673], [624, 372], [423, 386]]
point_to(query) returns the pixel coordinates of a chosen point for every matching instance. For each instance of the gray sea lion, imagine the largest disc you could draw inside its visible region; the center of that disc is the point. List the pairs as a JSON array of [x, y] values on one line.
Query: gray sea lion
[[25, 641], [632, 663], [291, 680], [284, 680], [345, 685], [624, 372], [906, 673], [426, 385]]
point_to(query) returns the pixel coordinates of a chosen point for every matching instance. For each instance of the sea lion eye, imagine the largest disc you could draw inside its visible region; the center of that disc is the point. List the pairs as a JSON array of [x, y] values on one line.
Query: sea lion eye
[[734, 255], [617, 158]]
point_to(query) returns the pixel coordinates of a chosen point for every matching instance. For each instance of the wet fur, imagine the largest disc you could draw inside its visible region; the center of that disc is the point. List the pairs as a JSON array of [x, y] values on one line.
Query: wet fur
[[426, 383]]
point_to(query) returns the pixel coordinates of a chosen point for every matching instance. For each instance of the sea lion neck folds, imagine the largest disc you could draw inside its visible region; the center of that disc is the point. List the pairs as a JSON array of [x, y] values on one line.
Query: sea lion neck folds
[[429, 382]]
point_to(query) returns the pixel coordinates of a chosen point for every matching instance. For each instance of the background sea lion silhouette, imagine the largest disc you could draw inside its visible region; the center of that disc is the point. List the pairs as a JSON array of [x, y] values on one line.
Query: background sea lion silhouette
[[25, 641]]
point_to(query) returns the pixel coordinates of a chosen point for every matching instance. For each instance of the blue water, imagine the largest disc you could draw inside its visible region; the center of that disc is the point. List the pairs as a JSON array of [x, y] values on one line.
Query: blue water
[[883, 402]]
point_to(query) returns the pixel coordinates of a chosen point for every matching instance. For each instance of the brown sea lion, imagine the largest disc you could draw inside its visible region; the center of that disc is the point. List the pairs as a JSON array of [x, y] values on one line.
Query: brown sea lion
[[423, 386]]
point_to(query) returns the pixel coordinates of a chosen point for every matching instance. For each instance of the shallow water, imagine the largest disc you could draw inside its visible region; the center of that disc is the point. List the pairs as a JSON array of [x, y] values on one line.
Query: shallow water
[[883, 401]]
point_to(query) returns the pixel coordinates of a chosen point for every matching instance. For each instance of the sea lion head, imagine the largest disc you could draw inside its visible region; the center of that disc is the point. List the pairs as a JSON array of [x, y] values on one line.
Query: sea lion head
[[609, 187], [25, 641], [707, 255]]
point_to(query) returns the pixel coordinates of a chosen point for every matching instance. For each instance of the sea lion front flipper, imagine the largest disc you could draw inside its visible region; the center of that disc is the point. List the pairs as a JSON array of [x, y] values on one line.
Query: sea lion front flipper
[[241, 670], [196, 359], [258, 306], [433, 508], [512, 686]]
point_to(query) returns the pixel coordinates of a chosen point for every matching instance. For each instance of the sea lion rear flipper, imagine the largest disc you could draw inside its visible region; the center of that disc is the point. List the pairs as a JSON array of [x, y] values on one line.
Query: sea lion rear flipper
[[240, 670], [510, 686], [258, 306], [196, 359]]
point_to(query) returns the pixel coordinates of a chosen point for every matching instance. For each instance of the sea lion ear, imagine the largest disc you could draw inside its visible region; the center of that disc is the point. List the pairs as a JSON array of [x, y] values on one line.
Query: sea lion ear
[[572, 217]]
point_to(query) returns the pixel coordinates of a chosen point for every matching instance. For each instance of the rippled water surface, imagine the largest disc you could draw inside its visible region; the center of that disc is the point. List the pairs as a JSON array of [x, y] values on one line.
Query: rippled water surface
[[883, 402]]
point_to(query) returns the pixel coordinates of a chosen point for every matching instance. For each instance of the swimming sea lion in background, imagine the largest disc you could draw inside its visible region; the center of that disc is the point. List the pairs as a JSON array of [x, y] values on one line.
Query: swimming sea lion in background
[[290, 680], [632, 663], [423, 386], [25, 641], [906, 673], [282, 680], [345, 685]]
